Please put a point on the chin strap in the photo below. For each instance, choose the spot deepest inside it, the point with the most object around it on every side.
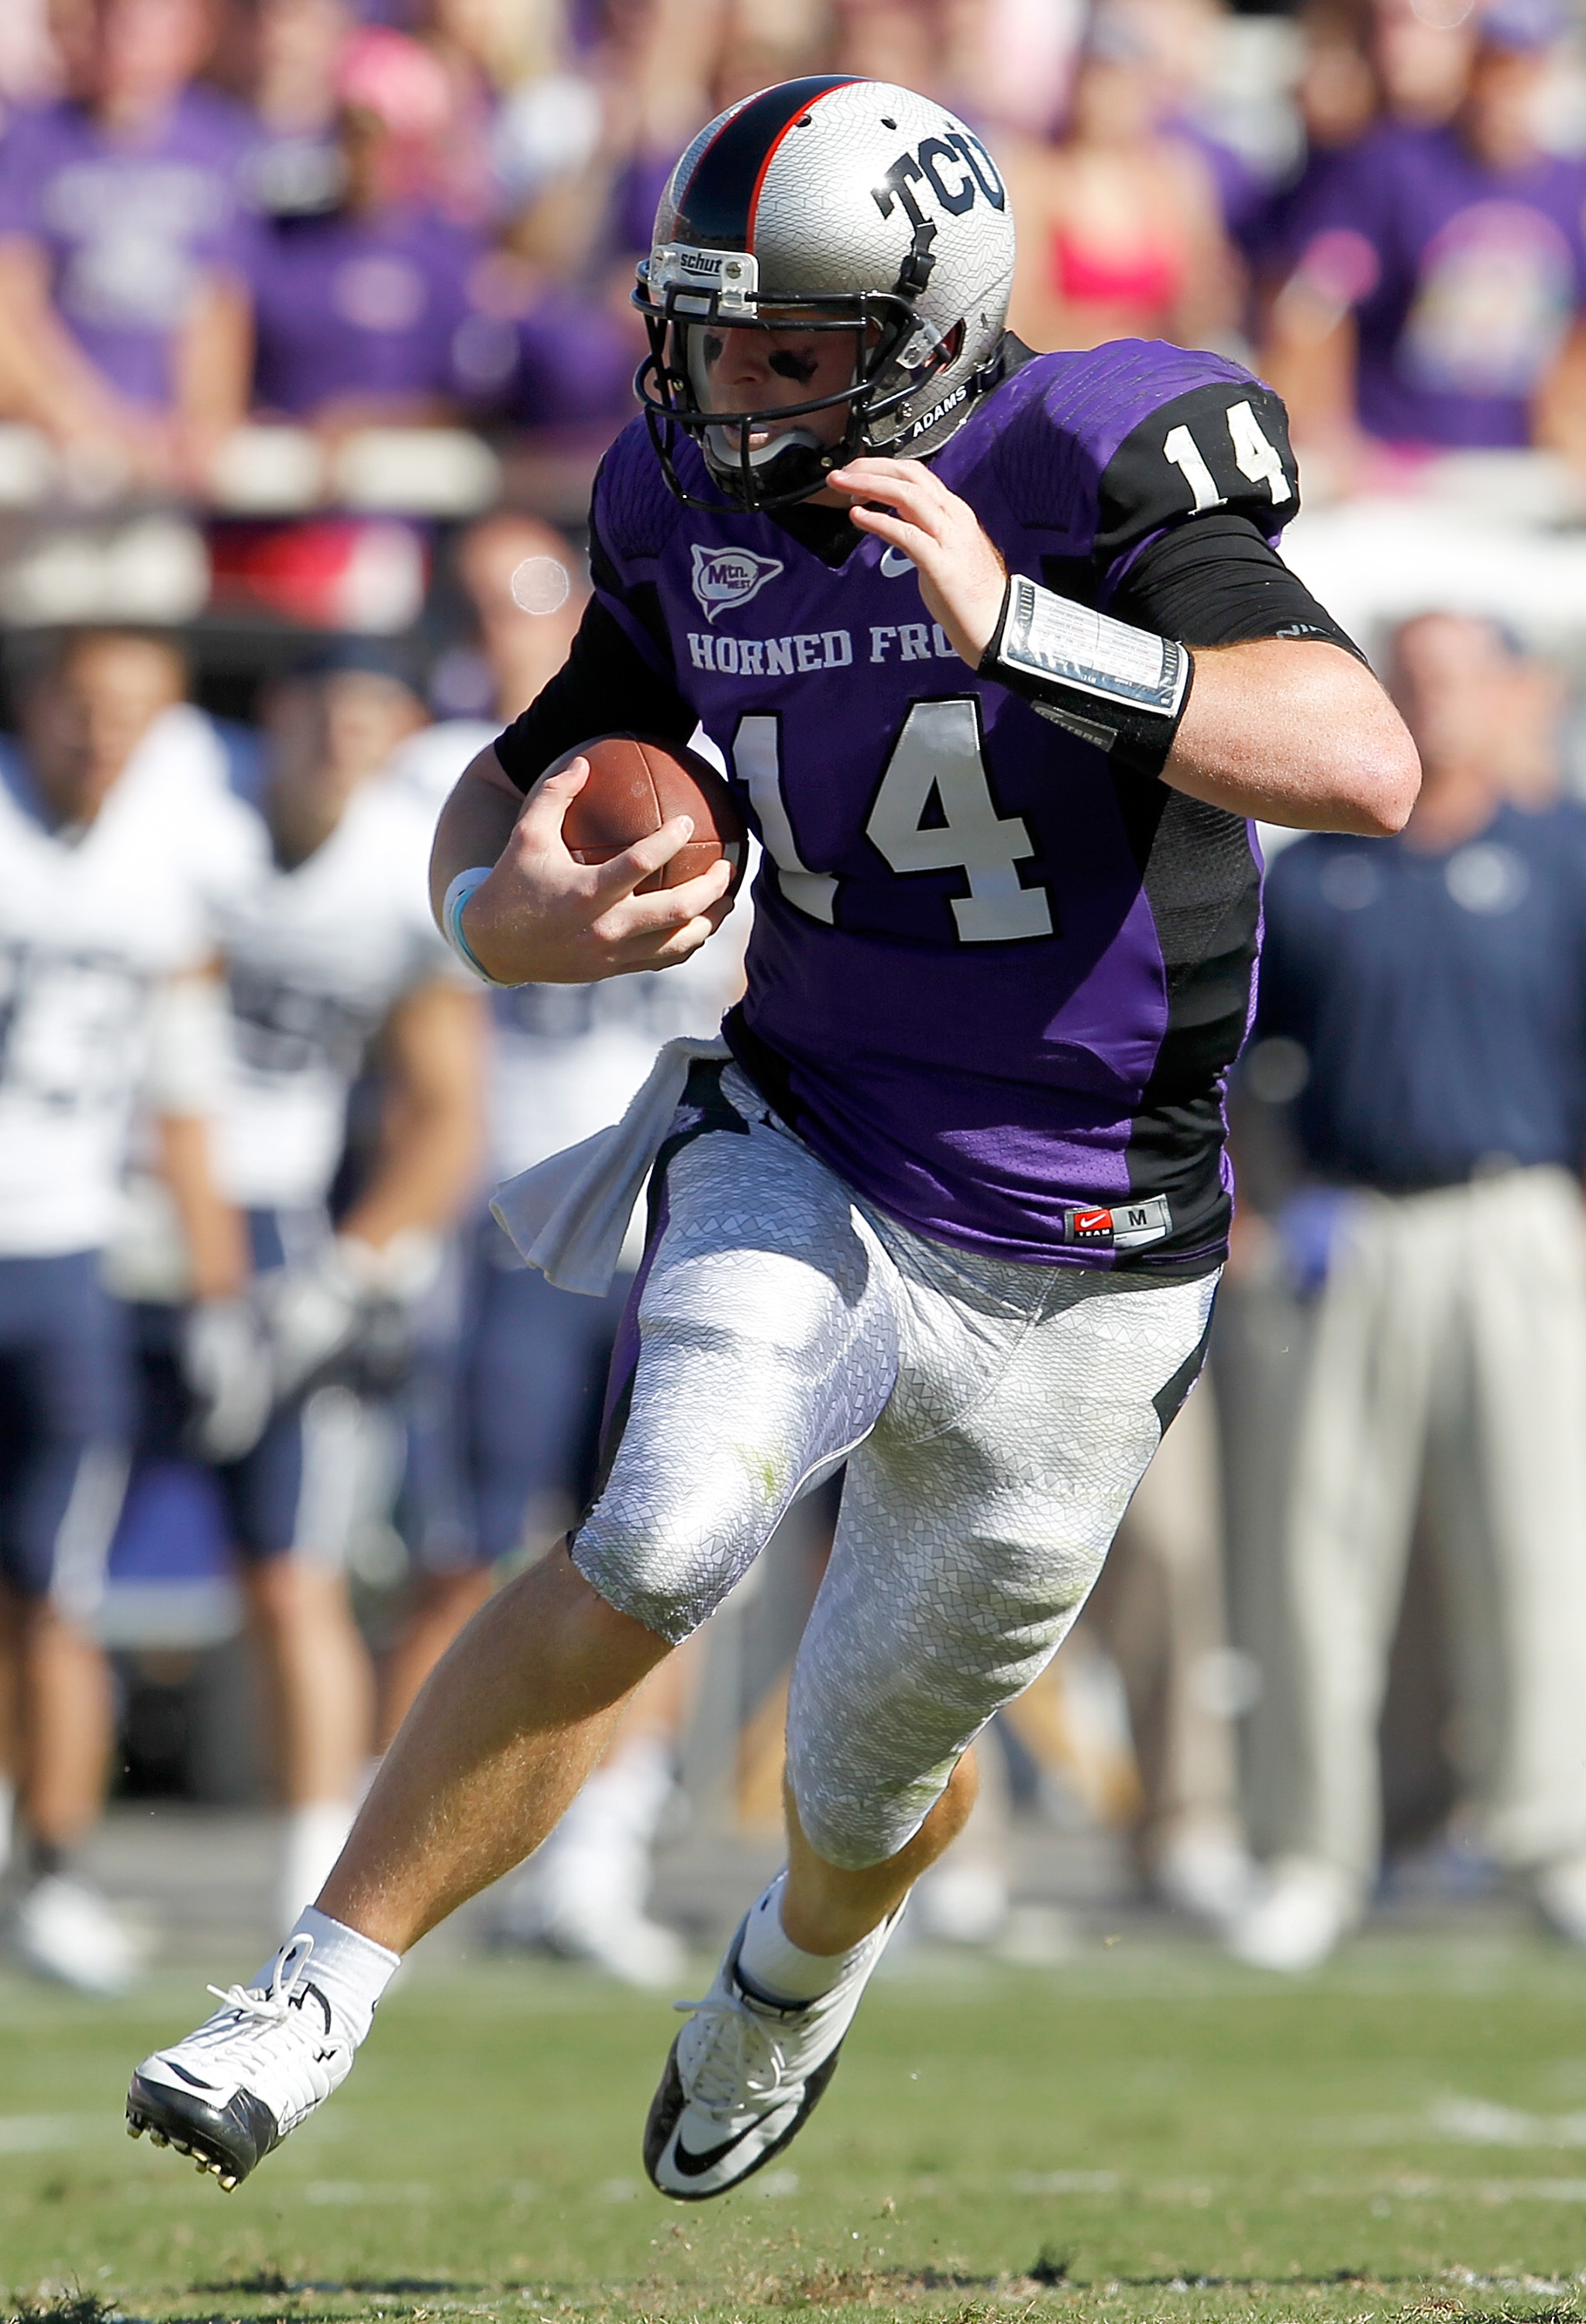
(1124, 689)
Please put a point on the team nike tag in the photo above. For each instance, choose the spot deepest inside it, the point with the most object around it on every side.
(1123, 1227)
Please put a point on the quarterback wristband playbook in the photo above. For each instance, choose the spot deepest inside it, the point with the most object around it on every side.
(1122, 688)
(451, 918)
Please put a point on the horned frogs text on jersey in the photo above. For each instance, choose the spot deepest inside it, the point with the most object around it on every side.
(316, 956)
(91, 923)
(995, 984)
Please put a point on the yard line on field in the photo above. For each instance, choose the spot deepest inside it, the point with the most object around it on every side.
(376, 2191)
(1064, 2182)
(42, 2133)
(1481, 2123)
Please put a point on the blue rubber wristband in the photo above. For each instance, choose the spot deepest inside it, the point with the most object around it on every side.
(451, 919)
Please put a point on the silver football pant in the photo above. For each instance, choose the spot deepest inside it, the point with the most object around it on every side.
(995, 1418)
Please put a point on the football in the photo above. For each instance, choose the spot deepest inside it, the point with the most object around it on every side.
(635, 784)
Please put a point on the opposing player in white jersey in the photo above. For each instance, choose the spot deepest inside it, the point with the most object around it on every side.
(509, 1428)
(114, 862)
(332, 949)
(1003, 657)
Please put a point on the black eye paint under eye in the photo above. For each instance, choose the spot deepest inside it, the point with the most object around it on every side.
(713, 347)
(789, 366)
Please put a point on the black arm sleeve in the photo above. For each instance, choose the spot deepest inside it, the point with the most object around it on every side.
(1214, 581)
(605, 686)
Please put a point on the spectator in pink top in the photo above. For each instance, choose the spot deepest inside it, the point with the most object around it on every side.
(362, 309)
(123, 248)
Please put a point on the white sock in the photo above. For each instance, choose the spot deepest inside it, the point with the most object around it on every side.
(775, 1966)
(351, 1971)
(312, 1839)
(623, 1801)
(597, 1860)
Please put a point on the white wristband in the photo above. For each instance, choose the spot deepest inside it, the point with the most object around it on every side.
(451, 919)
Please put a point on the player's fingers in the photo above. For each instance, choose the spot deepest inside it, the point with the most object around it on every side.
(929, 538)
(667, 953)
(911, 491)
(687, 940)
(874, 474)
(664, 909)
(913, 539)
(545, 810)
(624, 872)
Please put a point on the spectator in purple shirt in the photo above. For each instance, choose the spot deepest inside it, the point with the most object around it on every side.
(124, 308)
(361, 311)
(1450, 262)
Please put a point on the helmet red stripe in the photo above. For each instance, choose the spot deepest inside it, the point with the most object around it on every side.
(716, 207)
(772, 149)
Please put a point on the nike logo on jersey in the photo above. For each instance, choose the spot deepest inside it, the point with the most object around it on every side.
(895, 564)
(730, 576)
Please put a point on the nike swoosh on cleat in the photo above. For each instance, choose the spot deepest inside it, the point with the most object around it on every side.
(192, 2081)
(695, 2166)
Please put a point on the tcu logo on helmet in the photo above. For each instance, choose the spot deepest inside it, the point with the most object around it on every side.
(957, 169)
(730, 576)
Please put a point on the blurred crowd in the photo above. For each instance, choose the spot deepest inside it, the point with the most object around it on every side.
(258, 1328)
(339, 213)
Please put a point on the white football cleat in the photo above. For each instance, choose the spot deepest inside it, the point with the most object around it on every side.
(1206, 1871)
(743, 2078)
(1305, 1909)
(1561, 1893)
(626, 1945)
(64, 1929)
(234, 2088)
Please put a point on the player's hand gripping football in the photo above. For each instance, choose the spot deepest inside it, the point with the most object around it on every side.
(962, 577)
(542, 917)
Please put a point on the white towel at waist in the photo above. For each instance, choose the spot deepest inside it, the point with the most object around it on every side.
(568, 1216)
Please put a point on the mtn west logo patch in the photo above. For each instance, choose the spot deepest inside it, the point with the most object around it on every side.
(724, 578)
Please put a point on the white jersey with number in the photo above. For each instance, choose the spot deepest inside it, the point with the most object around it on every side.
(315, 957)
(566, 1058)
(93, 920)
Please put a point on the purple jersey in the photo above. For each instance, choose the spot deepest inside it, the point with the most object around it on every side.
(129, 225)
(993, 981)
(352, 306)
(1463, 280)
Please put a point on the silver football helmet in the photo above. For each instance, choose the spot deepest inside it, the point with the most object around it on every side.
(833, 205)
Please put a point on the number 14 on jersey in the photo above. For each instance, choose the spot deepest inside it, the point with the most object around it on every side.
(938, 752)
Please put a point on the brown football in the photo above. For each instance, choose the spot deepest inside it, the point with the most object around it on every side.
(635, 784)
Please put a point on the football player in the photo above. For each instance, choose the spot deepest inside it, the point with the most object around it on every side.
(1001, 658)
(118, 849)
(329, 951)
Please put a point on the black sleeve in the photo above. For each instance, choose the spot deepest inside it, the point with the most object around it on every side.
(605, 686)
(1214, 581)
(1219, 449)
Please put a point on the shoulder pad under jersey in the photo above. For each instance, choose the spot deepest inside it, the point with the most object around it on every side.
(633, 512)
(1121, 441)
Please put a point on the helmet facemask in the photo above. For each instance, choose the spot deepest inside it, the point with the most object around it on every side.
(686, 293)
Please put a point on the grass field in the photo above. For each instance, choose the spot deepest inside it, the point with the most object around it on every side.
(1144, 2132)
